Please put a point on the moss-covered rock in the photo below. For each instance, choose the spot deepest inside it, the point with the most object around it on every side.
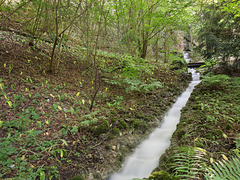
(122, 124)
(162, 175)
(103, 128)
(115, 131)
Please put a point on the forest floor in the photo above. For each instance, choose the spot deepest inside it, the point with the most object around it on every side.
(47, 129)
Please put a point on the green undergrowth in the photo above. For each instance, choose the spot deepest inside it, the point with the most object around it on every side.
(206, 142)
(47, 130)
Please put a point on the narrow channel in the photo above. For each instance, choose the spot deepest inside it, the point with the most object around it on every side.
(146, 156)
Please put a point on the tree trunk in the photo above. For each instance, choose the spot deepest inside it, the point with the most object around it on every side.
(166, 50)
(144, 49)
(156, 50)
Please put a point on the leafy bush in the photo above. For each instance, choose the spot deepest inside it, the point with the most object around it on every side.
(210, 64)
(216, 82)
(137, 85)
(178, 63)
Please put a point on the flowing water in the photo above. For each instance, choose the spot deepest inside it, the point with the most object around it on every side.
(146, 156)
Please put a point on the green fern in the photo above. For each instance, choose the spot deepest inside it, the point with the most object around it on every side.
(151, 86)
(189, 162)
(225, 170)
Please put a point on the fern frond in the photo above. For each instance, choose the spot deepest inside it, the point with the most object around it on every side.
(229, 170)
(189, 162)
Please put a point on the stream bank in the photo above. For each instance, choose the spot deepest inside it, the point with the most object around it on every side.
(209, 125)
(117, 149)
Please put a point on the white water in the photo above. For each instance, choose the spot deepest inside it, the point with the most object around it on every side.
(146, 156)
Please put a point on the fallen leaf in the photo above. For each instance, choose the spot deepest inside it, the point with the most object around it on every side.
(224, 157)
(60, 108)
(211, 160)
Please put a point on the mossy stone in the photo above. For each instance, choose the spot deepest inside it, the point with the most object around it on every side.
(162, 175)
(103, 128)
(115, 131)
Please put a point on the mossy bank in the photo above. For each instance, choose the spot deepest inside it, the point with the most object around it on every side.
(208, 130)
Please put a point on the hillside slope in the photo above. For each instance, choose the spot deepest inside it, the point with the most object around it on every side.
(46, 126)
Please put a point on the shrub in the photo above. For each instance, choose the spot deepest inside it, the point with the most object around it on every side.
(216, 82)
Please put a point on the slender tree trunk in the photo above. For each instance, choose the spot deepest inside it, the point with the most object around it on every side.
(144, 49)
(166, 50)
(56, 38)
(156, 48)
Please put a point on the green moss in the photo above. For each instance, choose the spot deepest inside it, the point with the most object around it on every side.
(103, 128)
(162, 175)
(149, 118)
(123, 124)
(140, 126)
(115, 131)
(180, 134)
(78, 177)
(139, 115)
(113, 120)
(119, 160)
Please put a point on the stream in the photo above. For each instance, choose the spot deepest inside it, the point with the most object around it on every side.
(146, 156)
